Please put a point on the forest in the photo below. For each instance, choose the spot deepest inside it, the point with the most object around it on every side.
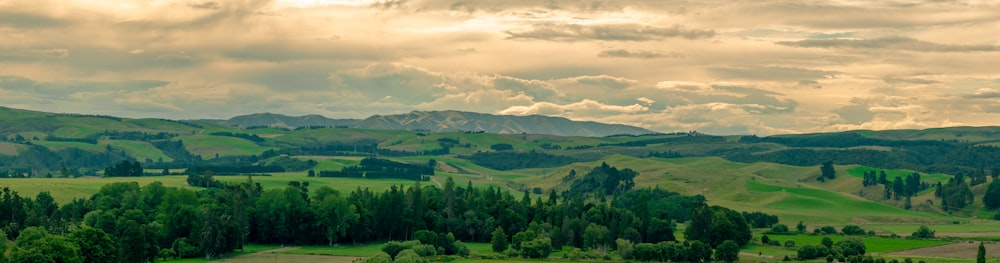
(124, 222)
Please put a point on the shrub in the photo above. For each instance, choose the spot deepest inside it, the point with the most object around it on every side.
(409, 256)
(923, 232)
(380, 258)
(779, 228)
(790, 243)
(853, 230)
(425, 250)
(537, 248)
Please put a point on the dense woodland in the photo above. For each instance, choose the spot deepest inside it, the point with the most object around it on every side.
(128, 223)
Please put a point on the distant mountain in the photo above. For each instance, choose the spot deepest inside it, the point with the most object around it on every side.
(284, 121)
(438, 121)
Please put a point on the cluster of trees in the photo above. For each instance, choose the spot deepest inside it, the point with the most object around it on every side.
(604, 180)
(845, 248)
(137, 135)
(687, 251)
(373, 168)
(502, 147)
(510, 160)
(151, 221)
(124, 168)
(235, 169)
(898, 188)
(762, 220)
(955, 194)
(360, 148)
(246, 136)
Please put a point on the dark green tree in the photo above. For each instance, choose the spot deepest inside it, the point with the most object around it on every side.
(498, 240)
(923, 232)
(827, 242)
(96, 246)
(827, 170)
(981, 253)
(992, 197)
(728, 251)
(36, 245)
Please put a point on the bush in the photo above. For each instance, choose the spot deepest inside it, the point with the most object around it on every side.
(764, 239)
(425, 250)
(853, 230)
(537, 248)
(729, 251)
(380, 258)
(409, 256)
(807, 252)
(790, 243)
(779, 229)
(923, 232)
(851, 246)
(461, 249)
(625, 248)
(829, 230)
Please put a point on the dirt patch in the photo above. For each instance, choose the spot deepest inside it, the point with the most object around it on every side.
(8, 149)
(957, 250)
(969, 234)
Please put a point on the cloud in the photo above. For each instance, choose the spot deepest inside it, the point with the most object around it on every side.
(27, 20)
(206, 5)
(643, 54)
(770, 73)
(894, 43)
(607, 32)
(35, 54)
(585, 107)
(809, 84)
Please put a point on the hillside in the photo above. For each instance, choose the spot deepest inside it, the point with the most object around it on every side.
(444, 121)
(776, 174)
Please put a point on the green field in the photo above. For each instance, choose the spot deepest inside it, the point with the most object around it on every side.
(817, 206)
(892, 174)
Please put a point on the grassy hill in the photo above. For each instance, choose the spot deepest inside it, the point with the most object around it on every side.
(40, 144)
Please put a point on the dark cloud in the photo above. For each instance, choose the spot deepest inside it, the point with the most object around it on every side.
(66, 88)
(206, 5)
(770, 73)
(895, 43)
(893, 79)
(609, 32)
(810, 83)
(34, 54)
(856, 113)
(984, 94)
(643, 54)
(28, 20)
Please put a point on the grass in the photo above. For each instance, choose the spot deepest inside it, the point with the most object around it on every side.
(208, 146)
(364, 250)
(64, 190)
(891, 174)
(140, 150)
(818, 206)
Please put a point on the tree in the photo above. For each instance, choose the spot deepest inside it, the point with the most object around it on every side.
(3, 247)
(853, 230)
(595, 236)
(393, 248)
(827, 170)
(850, 246)
(96, 246)
(728, 251)
(537, 248)
(36, 245)
(801, 227)
(923, 232)
(992, 197)
(981, 253)
(827, 242)
(764, 239)
(498, 240)
(380, 258)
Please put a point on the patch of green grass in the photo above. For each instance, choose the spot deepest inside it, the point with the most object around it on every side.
(64, 190)
(58, 146)
(891, 174)
(207, 146)
(819, 206)
(138, 149)
(872, 244)
(365, 250)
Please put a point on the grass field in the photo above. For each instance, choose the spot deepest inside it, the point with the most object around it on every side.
(891, 174)
(818, 206)
(140, 150)
(208, 146)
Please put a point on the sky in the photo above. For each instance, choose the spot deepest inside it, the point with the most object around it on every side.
(719, 67)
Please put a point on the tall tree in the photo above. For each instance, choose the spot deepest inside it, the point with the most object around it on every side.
(827, 170)
(992, 197)
(981, 253)
(96, 246)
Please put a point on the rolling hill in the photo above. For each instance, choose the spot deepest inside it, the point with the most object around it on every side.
(776, 174)
(444, 121)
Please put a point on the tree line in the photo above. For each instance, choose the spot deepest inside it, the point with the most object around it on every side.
(126, 222)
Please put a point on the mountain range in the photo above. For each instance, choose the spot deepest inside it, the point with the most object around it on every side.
(443, 121)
